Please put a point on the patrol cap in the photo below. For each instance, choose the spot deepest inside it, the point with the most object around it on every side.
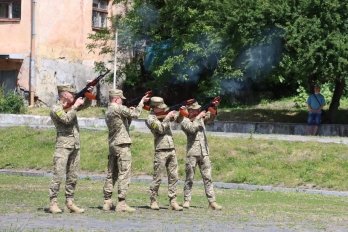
(158, 102)
(316, 85)
(116, 93)
(66, 88)
(194, 106)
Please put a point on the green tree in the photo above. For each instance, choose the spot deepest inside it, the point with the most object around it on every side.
(200, 41)
(316, 42)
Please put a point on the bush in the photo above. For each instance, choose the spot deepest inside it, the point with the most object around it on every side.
(11, 102)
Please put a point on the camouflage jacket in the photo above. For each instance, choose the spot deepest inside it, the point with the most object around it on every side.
(68, 135)
(118, 119)
(161, 132)
(197, 144)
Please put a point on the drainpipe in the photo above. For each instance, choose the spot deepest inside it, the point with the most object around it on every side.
(32, 54)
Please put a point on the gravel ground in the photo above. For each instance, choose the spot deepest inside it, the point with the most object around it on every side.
(166, 220)
(144, 221)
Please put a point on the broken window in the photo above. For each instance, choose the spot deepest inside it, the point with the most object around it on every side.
(100, 13)
(10, 9)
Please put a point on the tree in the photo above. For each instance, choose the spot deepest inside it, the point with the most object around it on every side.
(199, 43)
(316, 43)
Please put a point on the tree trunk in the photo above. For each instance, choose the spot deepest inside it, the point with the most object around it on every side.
(335, 101)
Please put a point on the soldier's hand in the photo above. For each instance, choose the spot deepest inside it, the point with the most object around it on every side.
(201, 114)
(146, 98)
(171, 115)
(79, 102)
(90, 88)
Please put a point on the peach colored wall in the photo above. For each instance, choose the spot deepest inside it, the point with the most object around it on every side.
(59, 47)
(62, 29)
(15, 36)
(15, 39)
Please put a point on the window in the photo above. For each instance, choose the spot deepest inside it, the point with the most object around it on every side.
(10, 9)
(100, 13)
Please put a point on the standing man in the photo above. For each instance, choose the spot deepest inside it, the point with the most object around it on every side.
(197, 153)
(315, 103)
(66, 158)
(118, 118)
(165, 156)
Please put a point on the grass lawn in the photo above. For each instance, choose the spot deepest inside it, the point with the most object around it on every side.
(236, 160)
(257, 209)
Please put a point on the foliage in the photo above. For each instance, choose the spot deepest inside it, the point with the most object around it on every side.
(11, 102)
(207, 45)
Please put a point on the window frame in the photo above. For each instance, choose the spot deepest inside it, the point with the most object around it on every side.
(99, 11)
(10, 10)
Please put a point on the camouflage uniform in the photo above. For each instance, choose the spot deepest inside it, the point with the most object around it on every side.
(118, 119)
(66, 158)
(165, 156)
(197, 154)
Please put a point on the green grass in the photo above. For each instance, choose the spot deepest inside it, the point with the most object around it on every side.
(237, 160)
(287, 210)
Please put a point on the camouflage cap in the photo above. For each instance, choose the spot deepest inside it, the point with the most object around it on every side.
(66, 88)
(316, 85)
(194, 106)
(116, 93)
(158, 102)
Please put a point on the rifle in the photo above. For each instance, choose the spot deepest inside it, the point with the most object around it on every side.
(134, 101)
(212, 105)
(177, 107)
(85, 92)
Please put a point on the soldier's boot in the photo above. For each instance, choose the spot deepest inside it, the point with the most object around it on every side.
(72, 207)
(108, 205)
(123, 207)
(54, 206)
(215, 206)
(154, 204)
(186, 205)
(174, 205)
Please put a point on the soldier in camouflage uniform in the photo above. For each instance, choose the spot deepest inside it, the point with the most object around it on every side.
(66, 158)
(118, 118)
(165, 156)
(197, 153)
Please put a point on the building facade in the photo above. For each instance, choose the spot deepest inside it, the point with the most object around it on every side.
(43, 43)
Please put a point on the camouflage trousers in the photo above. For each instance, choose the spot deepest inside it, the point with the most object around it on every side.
(204, 165)
(119, 169)
(165, 159)
(66, 161)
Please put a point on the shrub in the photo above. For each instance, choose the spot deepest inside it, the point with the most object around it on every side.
(11, 102)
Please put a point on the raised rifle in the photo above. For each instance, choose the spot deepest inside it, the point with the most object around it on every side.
(134, 101)
(212, 105)
(85, 92)
(177, 107)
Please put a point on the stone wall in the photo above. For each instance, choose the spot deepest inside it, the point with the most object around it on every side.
(218, 126)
